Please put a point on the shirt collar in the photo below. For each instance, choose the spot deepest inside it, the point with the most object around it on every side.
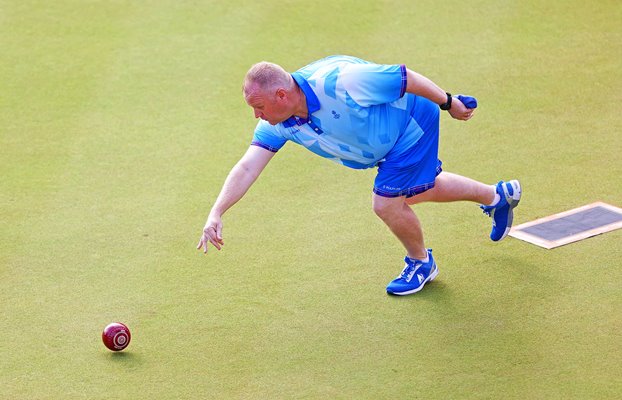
(313, 104)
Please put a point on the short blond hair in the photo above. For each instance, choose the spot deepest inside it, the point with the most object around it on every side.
(267, 76)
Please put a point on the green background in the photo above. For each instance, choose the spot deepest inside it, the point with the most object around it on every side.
(119, 121)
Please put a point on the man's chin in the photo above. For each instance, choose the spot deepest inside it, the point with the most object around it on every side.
(275, 122)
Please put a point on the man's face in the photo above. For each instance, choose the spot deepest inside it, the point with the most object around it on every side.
(271, 107)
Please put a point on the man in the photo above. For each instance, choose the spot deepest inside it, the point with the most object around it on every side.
(364, 115)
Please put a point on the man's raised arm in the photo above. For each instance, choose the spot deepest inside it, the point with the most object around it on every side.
(421, 86)
(239, 180)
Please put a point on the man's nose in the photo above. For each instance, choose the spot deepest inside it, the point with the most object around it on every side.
(257, 114)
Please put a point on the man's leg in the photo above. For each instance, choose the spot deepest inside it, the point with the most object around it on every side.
(420, 266)
(451, 187)
(497, 201)
(403, 222)
(400, 218)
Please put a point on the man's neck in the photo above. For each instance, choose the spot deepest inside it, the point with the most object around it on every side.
(301, 109)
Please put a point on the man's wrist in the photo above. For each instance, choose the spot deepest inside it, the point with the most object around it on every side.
(446, 106)
(215, 212)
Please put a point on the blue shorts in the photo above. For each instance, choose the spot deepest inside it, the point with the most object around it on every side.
(415, 170)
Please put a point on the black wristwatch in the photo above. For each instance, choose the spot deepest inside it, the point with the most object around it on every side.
(447, 105)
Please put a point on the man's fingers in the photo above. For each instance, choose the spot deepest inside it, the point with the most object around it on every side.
(202, 244)
(215, 243)
(216, 236)
(467, 114)
(211, 234)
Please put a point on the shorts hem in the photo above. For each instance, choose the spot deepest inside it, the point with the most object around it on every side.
(411, 191)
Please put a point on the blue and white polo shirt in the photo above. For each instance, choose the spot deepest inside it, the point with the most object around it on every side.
(358, 113)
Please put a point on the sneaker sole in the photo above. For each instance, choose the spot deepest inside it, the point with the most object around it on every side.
(429, 279)
(513, 201)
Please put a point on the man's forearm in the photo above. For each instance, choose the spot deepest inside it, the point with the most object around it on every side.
(239, 180)
(421, 86)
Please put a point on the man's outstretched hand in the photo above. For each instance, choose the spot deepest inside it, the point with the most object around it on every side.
(212, 233)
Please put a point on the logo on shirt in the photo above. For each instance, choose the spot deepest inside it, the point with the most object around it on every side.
(336, 115)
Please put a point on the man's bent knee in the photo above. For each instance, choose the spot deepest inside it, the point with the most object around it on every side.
(386, 207)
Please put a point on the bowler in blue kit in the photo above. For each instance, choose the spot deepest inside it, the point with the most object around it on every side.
(365, 115)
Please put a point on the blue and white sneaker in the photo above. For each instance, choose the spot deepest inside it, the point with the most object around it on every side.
(414, 276)
(501, 213)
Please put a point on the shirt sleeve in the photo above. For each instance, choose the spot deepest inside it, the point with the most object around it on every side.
(372, 84)
(268, 137)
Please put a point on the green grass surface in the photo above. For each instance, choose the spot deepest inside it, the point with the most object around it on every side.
(120, 120)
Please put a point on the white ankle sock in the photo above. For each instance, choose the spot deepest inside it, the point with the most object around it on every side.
(427, 259)
(496, 200)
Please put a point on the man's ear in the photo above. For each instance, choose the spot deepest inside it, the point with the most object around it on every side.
(281, 94)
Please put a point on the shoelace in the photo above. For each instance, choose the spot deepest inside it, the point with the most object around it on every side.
(487, 209)
(408, 271)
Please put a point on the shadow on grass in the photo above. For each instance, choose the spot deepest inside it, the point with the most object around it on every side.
(435, 290)
(125, 358)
